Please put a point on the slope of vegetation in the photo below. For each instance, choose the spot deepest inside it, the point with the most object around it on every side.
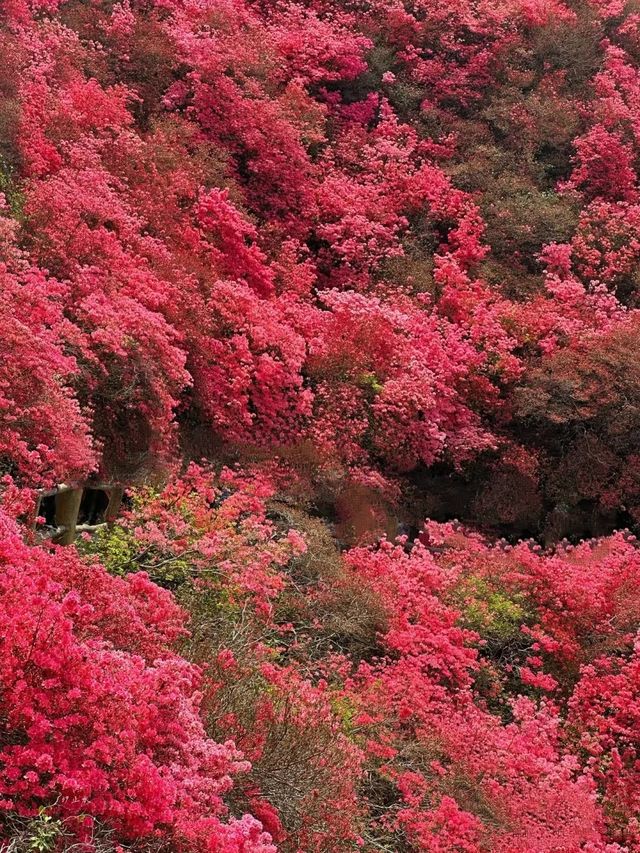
(347, 296)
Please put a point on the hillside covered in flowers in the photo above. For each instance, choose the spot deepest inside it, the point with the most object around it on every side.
(344, 295)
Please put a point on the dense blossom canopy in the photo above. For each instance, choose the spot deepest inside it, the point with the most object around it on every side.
(356, 229)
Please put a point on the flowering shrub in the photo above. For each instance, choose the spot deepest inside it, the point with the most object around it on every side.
(449, 707)
(100, 716)
(43, 433)
(383, 256)
(281, 226)
(210, 539)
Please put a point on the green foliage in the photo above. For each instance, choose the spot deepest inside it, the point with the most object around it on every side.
(40, 834)
(495, 614)
(520, 221)
(120, 552)
(216, 620)
(45, 832)
(369, 381)
(346, 711)
(115, 547)
(9, 188)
